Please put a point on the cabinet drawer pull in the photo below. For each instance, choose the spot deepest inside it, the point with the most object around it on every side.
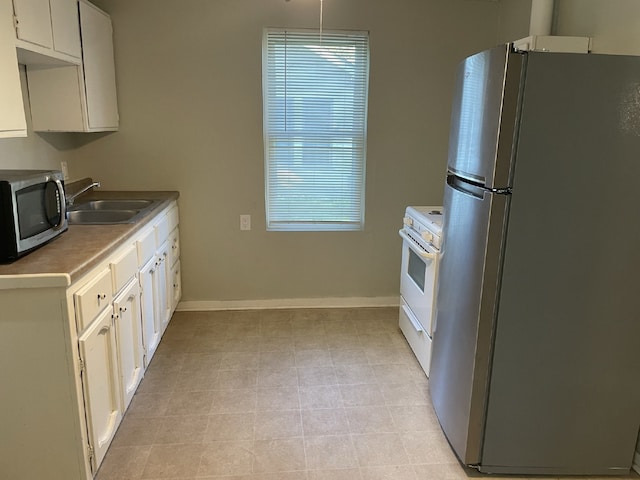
(102, 296)
(104, 329)
(123, 309)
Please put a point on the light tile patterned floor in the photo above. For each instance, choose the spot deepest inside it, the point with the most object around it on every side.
(283, 395)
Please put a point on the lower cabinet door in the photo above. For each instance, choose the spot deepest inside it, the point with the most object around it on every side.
(101, 384)
(128, 323)
(151, 318)
(176, 284)
(163, 298)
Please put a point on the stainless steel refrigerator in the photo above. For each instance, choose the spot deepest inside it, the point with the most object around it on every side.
(536, 349)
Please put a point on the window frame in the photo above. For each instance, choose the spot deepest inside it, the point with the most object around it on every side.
(357, 192)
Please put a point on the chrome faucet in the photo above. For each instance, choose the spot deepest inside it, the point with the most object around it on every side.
(71, 198)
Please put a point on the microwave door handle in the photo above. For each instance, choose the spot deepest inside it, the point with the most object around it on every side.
(63, 205)
(413, 246)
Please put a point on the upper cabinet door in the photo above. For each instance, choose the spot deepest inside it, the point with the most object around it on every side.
(99, 68)
(66, 27)
(12, 119)
(34, 21)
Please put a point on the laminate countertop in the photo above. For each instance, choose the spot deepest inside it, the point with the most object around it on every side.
(81, 247)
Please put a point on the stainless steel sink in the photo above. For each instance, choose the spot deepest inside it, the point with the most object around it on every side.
(112, 205)
(109, 211)
(101, 217)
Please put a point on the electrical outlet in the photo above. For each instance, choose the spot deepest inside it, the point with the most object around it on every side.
(65, 170)
(245, 222)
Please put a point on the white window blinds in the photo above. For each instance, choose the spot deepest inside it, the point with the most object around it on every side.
(315, 109)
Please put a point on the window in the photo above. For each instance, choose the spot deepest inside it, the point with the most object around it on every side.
(315, 109)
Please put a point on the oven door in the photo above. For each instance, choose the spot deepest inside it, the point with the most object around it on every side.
(418, 280)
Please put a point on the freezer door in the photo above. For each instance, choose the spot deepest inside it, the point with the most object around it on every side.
(475, 220)
(483, 117)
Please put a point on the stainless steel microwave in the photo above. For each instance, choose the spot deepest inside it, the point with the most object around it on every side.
(32, 210)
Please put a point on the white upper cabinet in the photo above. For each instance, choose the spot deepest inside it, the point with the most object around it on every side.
(66, 27)
(12, 119)
(99, 68)
(33, 22)
(82, 98)
(47, 31)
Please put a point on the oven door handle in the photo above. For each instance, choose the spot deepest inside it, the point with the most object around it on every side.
(412, 319)
(416, 248)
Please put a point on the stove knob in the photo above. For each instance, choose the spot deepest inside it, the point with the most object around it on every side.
(408, 221)
(428, 236)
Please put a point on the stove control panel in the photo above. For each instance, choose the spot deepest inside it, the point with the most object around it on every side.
(426, 222)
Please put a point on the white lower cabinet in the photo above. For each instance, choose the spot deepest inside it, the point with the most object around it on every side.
(86, 344)
(158, 253)
(123, 339)
(128, 322)
(164, 279)
(100, 385)
(151, 321)
(176, 285)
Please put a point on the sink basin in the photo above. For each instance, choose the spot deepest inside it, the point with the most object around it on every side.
(112, 205)
(101, 217)
(109, 211)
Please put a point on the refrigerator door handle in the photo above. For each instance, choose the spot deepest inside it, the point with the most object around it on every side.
(466, 188)
(472, 188)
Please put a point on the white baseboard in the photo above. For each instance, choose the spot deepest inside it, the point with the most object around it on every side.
(636, 462)
(335, 302)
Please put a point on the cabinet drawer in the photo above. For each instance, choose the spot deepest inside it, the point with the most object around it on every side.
(174, 246)
(124, 268)
(166, 225)
(146, 247)
(91, 299)
(416, 336)
(172, 218)
(162, 230)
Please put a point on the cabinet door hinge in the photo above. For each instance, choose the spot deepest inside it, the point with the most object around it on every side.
(90, 452)
(15, 22)
(81, 365)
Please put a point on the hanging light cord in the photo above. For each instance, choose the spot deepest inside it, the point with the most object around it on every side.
(321, 5)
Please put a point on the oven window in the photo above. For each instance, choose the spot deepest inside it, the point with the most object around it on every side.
(37, 208)
(417, 269)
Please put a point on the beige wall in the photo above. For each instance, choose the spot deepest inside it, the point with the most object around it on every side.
(514, 20)
(189, 86)
(190, 102)
(613, 24)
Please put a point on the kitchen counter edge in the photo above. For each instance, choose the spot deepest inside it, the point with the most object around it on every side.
(69, 256)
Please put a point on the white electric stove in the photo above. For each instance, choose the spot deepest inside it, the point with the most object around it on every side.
(422, 239)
